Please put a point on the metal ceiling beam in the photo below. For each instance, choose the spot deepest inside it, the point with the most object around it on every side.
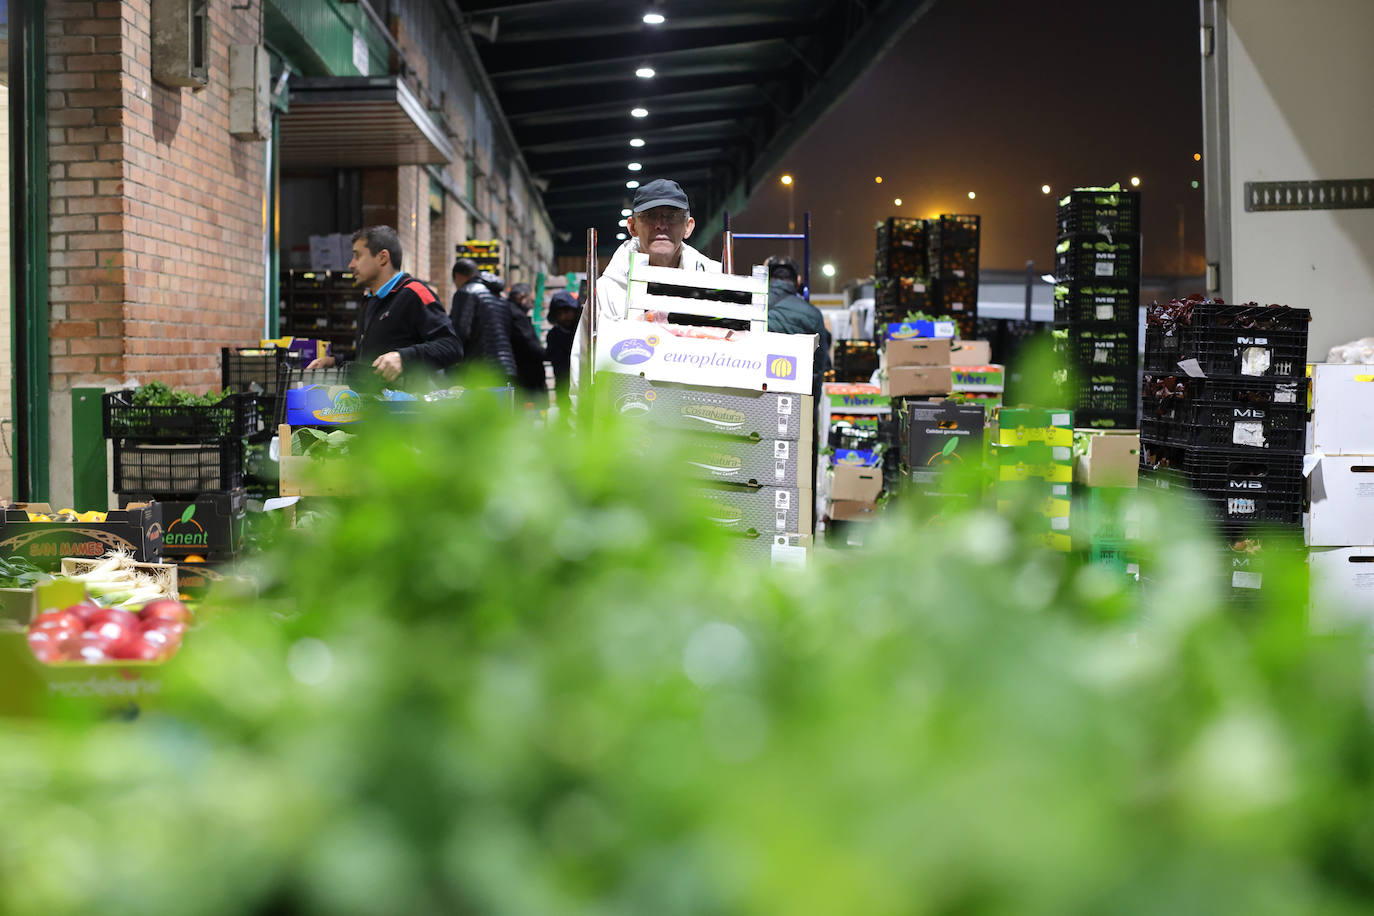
(731, 99)
(617, 126)
(886, 24)
(515, 57)
(699, 62)
(650, 163)
(705, 132)
(521, 104)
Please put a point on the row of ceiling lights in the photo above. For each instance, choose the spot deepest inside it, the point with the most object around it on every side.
(652, 17)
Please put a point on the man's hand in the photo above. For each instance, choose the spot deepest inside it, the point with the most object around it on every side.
(321, 362)
(388, 365)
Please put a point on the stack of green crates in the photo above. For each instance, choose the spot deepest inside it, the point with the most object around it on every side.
(1032, 454)
(1105, 520)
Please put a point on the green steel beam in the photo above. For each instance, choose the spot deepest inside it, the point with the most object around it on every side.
(317, 36)
(274, 231)
(29, 248)
(90, 485)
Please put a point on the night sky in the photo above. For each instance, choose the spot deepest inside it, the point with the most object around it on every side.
(1000, 97)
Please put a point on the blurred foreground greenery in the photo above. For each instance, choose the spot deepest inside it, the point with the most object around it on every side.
(518, 675)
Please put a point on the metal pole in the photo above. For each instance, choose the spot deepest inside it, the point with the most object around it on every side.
(1030, 278)
(589, 310)
(806, 256)
(727, 260)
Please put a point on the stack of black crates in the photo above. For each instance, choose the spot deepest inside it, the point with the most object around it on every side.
(927, 266)
(190, 458)
(1097, 271)
(952, 243)
(1224, 414)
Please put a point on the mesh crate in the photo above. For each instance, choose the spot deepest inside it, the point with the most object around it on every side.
(954, 231)
(956, 262)
(955, 296)
(1103, 391)
(899, 295)
(170, 471)
(855, 360)
(1227, 340)
(1109, 213)
(257, 370)
(1255, 434)
(901, 248)
(1091, 418)
(1249, 409)
(1093, 259)
(1115, 351)
(236, 416)
(1083, 302)
(1236, 487)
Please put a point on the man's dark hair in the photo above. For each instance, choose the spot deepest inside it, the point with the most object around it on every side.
(379, 239)
(465, 266)
(780, 268)
(520, 289)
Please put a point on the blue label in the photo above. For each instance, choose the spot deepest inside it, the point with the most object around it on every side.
(782, 367)
(856, 457)
(632, 352)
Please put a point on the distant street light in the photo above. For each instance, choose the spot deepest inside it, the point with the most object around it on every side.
(1197, 157)
(971, 195)
(1135, 182)
(1044, 189)
(829, 271)
(786, 179)
(878, 179)
(897, 201)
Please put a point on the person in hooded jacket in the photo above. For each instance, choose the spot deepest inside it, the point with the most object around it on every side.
(482, 318)
(660, 222)
(564, 313)
(529, 355)
(789, 313)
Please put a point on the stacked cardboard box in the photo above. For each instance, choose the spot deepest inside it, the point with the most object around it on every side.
(1033, 460)
(1223, 413)
(1340, 529)
(1097, 269)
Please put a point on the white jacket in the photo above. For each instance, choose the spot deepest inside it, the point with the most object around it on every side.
(612, 296)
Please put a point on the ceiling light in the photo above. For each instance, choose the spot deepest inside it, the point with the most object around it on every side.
(621, 236)
(639, 112)
(635, 166)
(654, 19)
(637, 142)
(632, 184)
(626, 212)
(645, 73)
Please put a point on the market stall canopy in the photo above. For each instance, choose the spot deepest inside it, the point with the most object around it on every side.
(735, 85)
(353, 122)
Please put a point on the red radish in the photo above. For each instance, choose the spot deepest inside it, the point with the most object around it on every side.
(135, 649)
(84, 611)
(55, 620)
(90, 653)
(165, 609)
(126, 620)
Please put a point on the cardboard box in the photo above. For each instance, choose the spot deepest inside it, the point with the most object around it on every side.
(905, 330)
(1112, 458)
(765, 511)
(1022, 425)
(843, 510)
(324, 253)
(137, 528)
(916, 381)
(766, 463)
(211, 526)
(845, 397)
(748, 414)
(1037, 460)
(1342, 409)
(195, 580)
(320, 405)
(971, 353)
(752, 361)
(779, 549)
(941, 435)
(1342, 586)
(855, 481)
(917, 351)
(1342, 507)
(991, 378)
(29, 688)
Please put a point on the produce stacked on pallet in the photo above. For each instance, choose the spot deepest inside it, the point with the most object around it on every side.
(1032, 457)
(1097, 273)
(322, 304)
(1341, 519)
(900, 272)
(187, 453)
(1224, 413)
(952, 245)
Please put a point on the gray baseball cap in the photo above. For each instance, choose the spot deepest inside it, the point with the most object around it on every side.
(661, 192)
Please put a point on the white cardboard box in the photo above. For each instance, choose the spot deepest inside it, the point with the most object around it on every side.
(1342, 586)
(1342, 409)
(753, 361)
(1342, 502)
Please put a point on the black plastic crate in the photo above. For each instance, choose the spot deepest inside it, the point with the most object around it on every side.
(954, 231)
(1093, 259)
(1108, 391)
(169, 471)
(901, 248)
(1088, 302)
(1091, 418)
(956, 262)
(954, 296)
(1255, 435)
(1115, 350)
(965, 323)
(900, 295)
(1110, 213)
(1268, 341)
(236, 416)
(1236, 488)
(256, 370)
(1253, 410)
(855, 360)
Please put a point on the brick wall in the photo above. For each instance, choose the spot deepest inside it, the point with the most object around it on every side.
(156, 227)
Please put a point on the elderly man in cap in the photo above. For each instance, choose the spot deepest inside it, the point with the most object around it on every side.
(660, 222)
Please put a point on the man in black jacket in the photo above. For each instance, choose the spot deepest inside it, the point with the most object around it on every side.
(402, 328)
(564, 313)
(529, 355)
(482, 318)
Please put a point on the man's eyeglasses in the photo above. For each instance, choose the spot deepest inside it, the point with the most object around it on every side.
(669, 216)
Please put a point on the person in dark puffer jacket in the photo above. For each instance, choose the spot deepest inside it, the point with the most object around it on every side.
(482, 319)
